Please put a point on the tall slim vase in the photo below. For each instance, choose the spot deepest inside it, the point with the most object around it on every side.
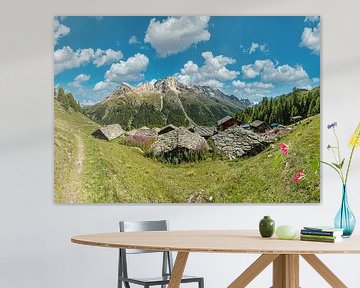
(345, 219)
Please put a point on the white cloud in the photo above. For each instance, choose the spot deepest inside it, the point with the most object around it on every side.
(125, 71)
(252, 90)
(269, 72)
(238, 84)
(106, 57)
(256, 46)
(101, 85)
(82, 78)
(176, 34)
(60, 30)
(311, 39)
(133, 40)
(249, 72)
(285, 73)
(66, 58)
(79, 80)
(129, 70)
(251, 87)
(315, 80)
(253, 47)
(312, 19)
(213, 83)
(212, 72)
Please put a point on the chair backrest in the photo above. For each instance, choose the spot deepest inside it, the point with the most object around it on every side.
(135, 226)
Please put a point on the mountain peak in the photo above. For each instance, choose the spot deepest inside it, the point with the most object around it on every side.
(166, 101)
(170, 84)
(171, 80)
(124, 88)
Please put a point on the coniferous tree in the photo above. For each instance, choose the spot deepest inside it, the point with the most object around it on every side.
(280, 109)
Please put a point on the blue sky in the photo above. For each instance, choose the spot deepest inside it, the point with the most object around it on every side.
(250, 57)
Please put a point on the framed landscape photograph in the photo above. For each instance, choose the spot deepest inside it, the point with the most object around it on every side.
(187, 109)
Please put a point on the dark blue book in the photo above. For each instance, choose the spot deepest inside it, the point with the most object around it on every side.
(322, 231)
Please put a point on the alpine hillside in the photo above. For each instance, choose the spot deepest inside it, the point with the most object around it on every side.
(165, 102)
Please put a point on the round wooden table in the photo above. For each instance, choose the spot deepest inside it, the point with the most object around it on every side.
(284, 254)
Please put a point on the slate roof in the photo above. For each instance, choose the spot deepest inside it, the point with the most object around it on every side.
(167, 128)
(256, 123)
(110, 132)
(205, 131)
(180, 138)
(144, 131)
(223, 120)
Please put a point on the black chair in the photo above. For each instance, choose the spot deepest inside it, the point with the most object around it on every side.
(167, 265)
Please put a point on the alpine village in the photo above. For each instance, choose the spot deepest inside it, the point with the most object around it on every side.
(168, 142)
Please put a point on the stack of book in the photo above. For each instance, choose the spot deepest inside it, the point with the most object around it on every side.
(321, 234)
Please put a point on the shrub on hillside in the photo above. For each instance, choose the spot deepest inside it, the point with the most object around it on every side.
(141, 141)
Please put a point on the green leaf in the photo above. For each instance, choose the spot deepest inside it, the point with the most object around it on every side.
(342, 163)
(314, 166)
(336, 165)
(277, 161)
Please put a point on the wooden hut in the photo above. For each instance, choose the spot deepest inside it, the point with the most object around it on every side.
(258, 126)
(227, 122)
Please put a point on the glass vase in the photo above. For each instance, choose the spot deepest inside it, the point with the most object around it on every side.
(345, 219)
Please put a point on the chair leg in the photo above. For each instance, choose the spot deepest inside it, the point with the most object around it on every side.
(201, 283)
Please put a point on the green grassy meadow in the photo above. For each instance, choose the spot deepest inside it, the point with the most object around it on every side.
(90, 170)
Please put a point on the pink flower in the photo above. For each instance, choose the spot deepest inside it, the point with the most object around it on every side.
(298, 176)
(284, 148)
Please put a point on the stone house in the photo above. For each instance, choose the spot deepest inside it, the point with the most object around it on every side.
(109, 132)
(204, 131)
(167, 129)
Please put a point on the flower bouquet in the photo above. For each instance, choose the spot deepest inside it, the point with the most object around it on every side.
(344, 219)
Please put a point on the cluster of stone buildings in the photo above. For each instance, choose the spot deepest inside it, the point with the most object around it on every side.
(230, 138)
(113, 131)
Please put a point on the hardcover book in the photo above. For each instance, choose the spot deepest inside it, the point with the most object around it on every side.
(328, 240)
(321, 233)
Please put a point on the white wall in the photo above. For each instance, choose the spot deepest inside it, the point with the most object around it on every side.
(35, 248)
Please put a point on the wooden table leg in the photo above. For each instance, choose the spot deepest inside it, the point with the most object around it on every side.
(324, 271)
(178, 269)
(253, 270)
(286, 271)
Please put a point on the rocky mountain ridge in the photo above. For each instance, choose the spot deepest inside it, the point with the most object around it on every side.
(163, 102)
(171, 84)
(166, 101)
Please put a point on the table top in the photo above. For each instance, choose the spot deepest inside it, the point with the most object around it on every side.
(217, 241)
